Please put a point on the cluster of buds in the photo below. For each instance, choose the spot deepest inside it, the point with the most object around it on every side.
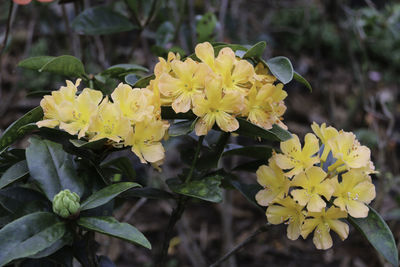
(313, 187)
(66, 204)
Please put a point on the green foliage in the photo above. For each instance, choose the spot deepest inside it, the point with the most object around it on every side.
(205, 27)
(281, 68)
(256, 51)
(16, 172)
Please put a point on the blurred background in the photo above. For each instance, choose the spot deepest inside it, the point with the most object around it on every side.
(348, 50)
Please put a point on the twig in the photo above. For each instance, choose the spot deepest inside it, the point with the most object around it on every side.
(177, 212)
(260, 230)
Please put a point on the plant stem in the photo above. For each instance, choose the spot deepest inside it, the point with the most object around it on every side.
(260, 230)
(177, 212)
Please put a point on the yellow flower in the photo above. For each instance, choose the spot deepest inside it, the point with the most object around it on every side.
(275, 183)
(353, 192)
(287, 210)
(133, 103)
(58, 106)
(145, 140)
(263, 75)
(164, 66)
(85, 108)
(294, 157)
(325, 134)
(109, 123)
(216, 107)
(348, 152)
(264, 107)
(205, 52)
(314, 186)
(323, 222)
(188, 83)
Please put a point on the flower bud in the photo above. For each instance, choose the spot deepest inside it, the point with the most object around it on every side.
(66, 203)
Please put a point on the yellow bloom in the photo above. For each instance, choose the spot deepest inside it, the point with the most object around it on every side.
(145, 140)
(58, 106)
(348, 152)
(205, 52)
(216, 107)
(325, 134)
(109, 123)
(323, 222)
(353, 192)
(264, 107)
(314, 186)
(294, 157)
(275, 183)
(85, 108)
(164, 66)
(287, 210)
(133, 103)
(263, 75)
(188, 83)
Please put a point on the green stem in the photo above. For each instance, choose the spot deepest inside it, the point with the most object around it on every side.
(178, 211)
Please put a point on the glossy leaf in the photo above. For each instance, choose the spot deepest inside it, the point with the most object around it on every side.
(206, 189)
(29, 235)
(147, 192)
(52, 168)
(377, 232)
(256, 50)
(181, 128)
(19, 200)
(167, 113)
(121, 69)
(101, 20)
(302, 80)
(106, 194)
(210, 159)
(64, 65)
(281, 68)
(123, 164)
(94, 145)
(256, 152)
(65, 240)
(111, 227)
(11, 134)
(131, 79)
(251, 166)
(17, 171)
(249, 191)
(276, 133)
(143, 82)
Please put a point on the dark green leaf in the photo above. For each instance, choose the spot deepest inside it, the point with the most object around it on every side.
(52, 168)
(257, 152)
(276, 133)
(101, 20)
(210, 159)
(281, 68)
(19, 200)
(119, 69)
(29, 235)
(167, 113)
(147, 192)
(106, 194)
(123, 164)
(302, 80)
(207, 188)
(11, 134)
(143, 82)
(64, 65)
(375, 229)
(251, 166)
(256, 50)
(65, 240)
(205, 27)
(14, 173)
(131, 79)
(181, 128)
(111, 227)
(249, 191)
(94, 145)
(35, 63)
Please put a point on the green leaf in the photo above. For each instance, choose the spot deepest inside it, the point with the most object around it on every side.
(52, 168)
(147, 192)
(256, 152)
(111, 227)
(206, 189)
(143, 82)
(210, 159)
(181, 128)
(17, 171)
(302, 80)
(249, 191)
(167, 113)
(251, 166)
(11, 134)
(375, 229)
(94, 145)
(29, 235)
(19, 200)
(106, 194)
(205, 27)
(123, 164)
(121, 69)
(65, 240)
(64, 65)
(281, 68)
(101, 20)
(256, 50)
(276, 133)
(131, 79)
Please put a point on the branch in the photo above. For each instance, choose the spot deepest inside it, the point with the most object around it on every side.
(260, 230)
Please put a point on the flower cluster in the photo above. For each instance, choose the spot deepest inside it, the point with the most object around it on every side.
(313, 187)
(219, 89)
(132, 118)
